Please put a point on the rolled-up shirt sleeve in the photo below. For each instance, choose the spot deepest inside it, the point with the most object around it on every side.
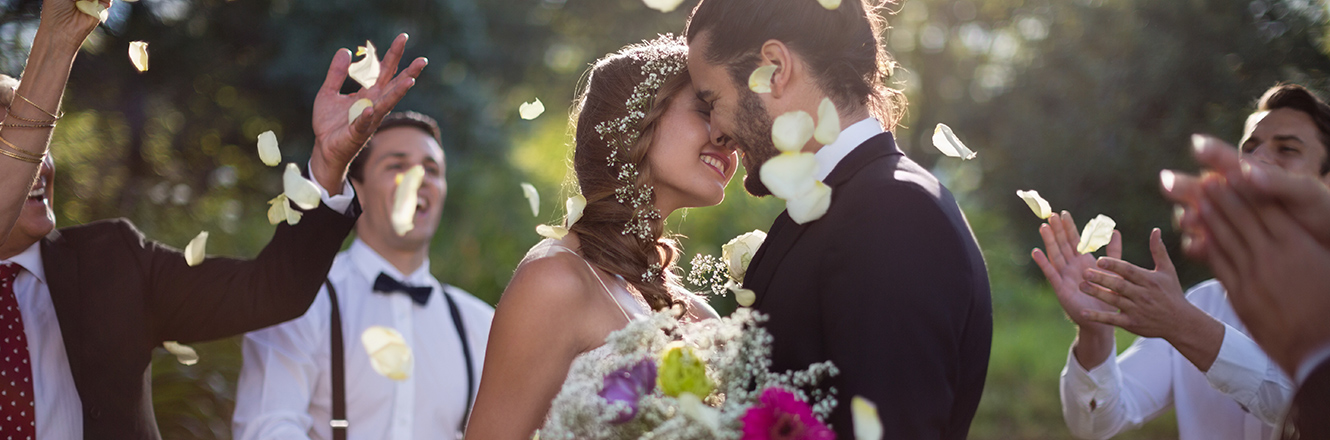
(1243, 372)
(1121, 393)
(339, 203)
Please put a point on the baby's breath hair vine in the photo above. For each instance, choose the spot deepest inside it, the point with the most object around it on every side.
(663, 58)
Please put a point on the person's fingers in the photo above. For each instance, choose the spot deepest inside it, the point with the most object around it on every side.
(1110, 318)
(1159, 251)
(362, 127)
(1241, 215)
(1070, 239)
(336, 72)
(1046, 267)
(1221, 235)
(1103, 294)
(1051, 244)
(388, 67)
(1119, 276)
(1115, 245)
(1179, 187)
(1216, 154)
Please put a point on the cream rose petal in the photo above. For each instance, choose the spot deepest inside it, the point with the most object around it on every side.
(745, 297)
(760, 80)
(1098, 232)
(555, 232)
(574, 205)
(662, 5)
(789, 174)
(691, 405)
(406, 198)
(828, 122)
(830, 4)
(810, 205)
(532, 197)
(195, 250)
(299, 189)
(946, 141)
(388, 352)
(1037, 204)
(739, 251)
(269, 153)
(138, 54)
(531, 110)
(281, 211)
(93, 8)
(357, 108)
(184, 354)
(365, 71)
(867, 425)
(792, 130)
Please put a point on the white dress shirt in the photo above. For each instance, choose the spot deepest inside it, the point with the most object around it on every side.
(849, 138)
(285, 388)
(1243, 396)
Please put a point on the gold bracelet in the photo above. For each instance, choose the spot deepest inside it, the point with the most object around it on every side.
(16, 149)
(15, 156)
(38, 107)
(4, 123)
(10, 113)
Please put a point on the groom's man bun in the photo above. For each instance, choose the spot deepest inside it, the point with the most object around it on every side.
(843, 46)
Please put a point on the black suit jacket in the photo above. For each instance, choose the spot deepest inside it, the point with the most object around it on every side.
(1309, 416)
(890, 286)
(118, 296)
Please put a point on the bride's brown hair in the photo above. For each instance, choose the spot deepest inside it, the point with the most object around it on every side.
(644, 263)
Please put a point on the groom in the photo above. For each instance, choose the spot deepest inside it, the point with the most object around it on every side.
(889, 284)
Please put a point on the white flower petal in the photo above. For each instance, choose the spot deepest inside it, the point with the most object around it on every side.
(269, 153)
(195, 250)
(692, 407)
(828, 122)
(946, 141)
(93, 8)
(281, 211)
(745, 297)
(830, 4)
(357, 108)
(760, 80)
(184, 354)
(406, 198)
(811, 205)
(531, 110)
(388, 352)
(662, 5)
(532, 198)
(789, 175)
(299, 189)
(1037, 204)
(1098, 232)
(792, 130)
(739, 251)
(574, 205)
(138, 54)
(867, 425)
(365, 71)
(555, 232)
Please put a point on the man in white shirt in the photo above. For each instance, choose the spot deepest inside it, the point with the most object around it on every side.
(287, 388)
(1194, 353)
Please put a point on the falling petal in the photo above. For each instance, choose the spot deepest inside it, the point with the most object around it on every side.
(531, 110)
(830, 4)
(268, 151)
(745, 297)
(388, 352)
(662, 5)
(93, 8)
(183, 353)
(946, 141)
(194, 251)
(1037, 204)
(867, 425)
(792, 130)
(555, 232)
(365, 71)
(760, 80)
(357, 108)
(532, 197)
(811, 205)
(1098, 232)
(828, 122)
(405, 200)
(299, 189)
(138, 54)
(789, 174)
(281, 211)
(574, 205)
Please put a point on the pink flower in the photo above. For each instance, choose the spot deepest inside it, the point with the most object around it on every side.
(779, 415)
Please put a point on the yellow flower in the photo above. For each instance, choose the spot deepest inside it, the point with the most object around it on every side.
(681, 371)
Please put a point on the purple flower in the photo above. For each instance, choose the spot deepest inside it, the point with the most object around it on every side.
(780, 415)
(628, 385)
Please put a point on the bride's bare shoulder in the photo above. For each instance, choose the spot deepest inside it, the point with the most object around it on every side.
(545, 277)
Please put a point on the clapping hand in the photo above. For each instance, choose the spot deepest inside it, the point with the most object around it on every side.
(336, 139)
(1150, 303)
(1065, 269)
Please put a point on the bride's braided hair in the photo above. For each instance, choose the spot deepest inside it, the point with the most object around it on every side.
(615, 122)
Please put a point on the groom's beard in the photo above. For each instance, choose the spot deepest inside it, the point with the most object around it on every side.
(753, 131)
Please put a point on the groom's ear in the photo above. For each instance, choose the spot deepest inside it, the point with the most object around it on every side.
(777, 53)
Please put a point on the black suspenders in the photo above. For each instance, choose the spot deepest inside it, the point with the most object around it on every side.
(338, 363)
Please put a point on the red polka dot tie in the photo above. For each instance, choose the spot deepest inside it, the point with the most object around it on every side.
(16, 403)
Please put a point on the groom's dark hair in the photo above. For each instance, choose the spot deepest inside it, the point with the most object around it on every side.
(843, 46)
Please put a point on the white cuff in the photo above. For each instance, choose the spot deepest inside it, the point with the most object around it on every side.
(341, 202)
(1239, 368)
(1099, 385)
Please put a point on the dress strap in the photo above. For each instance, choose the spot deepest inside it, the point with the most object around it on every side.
(603, 286)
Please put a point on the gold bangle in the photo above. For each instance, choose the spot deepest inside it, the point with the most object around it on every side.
(10, 113)
(21, 151)
(38, 107)
(15, 156)
(4, 123)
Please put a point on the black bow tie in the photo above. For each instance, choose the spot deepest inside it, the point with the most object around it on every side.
(388, 285)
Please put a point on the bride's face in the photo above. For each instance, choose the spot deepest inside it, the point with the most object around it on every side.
(688, 169)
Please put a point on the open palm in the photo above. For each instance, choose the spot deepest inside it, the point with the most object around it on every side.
(1065, 268)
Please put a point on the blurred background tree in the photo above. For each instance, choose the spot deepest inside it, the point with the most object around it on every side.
(1083, 100)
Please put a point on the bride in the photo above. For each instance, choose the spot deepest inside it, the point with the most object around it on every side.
(643, 148)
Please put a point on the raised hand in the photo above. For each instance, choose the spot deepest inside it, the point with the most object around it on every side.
(1065, 269)
(337, 140)
(67, 26)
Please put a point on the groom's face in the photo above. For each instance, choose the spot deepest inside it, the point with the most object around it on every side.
(736, 113)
